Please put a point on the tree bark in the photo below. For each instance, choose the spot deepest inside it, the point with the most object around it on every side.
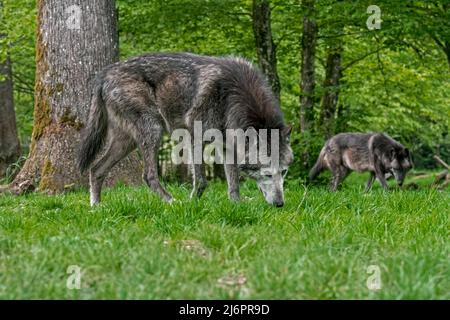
(308, 82)
(265, 47)
(307, 75)
(9, 142)
(75, 39)
(331, 83)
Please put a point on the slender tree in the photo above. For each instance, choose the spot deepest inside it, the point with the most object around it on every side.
(75, 39)
(265, 47)
(307, 78)
(307, 73)
(333, 74)
(9, 142)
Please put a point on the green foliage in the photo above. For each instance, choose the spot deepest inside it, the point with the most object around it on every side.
(12, 170)
(214, 27)
(395, 79)
(306, 147)
(17, 25)
(318, 246)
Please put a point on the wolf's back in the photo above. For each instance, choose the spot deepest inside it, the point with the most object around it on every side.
(94, 133)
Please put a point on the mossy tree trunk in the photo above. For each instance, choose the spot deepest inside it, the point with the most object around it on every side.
(9, 142)
(75, 39)
(308, 72)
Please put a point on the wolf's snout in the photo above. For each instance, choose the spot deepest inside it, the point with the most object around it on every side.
(278, 204)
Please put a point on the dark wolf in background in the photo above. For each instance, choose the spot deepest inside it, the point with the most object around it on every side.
(135, 101)
(374, 152)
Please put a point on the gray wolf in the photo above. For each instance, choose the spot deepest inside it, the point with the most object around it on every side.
(377, 153)
(135, 101)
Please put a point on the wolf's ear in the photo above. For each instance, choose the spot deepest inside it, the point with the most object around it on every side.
(409, 155)
(286, 131)
(392, 154)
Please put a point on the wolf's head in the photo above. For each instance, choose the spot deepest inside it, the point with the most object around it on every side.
(270, 175)
(399, 163)
(252, 104)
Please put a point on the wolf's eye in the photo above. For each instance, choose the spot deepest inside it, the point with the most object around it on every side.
(268, 176)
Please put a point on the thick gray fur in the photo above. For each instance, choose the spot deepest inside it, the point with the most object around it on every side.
(135, 101)
(374, 152)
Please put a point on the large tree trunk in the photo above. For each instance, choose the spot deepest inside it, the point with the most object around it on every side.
(75, 39)
(9, 142)
(265, 47)
(308, 81)
(331, 83)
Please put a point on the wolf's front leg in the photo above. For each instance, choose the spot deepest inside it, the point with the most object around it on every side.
(198, 180)
(370, 182)
(232, 175)
(381, 177)
(380, 174)
(154, 184)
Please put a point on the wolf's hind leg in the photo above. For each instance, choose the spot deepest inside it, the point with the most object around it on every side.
(149, 138)
(339, 175)
(119, 146)
(334, 182)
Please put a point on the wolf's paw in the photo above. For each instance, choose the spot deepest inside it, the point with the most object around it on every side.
(94, 203)
(173, 201)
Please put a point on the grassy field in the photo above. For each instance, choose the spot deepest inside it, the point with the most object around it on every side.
(319, 246)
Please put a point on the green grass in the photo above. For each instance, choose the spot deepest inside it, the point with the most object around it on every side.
(318, 246)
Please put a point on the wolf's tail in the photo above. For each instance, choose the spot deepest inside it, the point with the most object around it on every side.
(318, 167)
(94, 134)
